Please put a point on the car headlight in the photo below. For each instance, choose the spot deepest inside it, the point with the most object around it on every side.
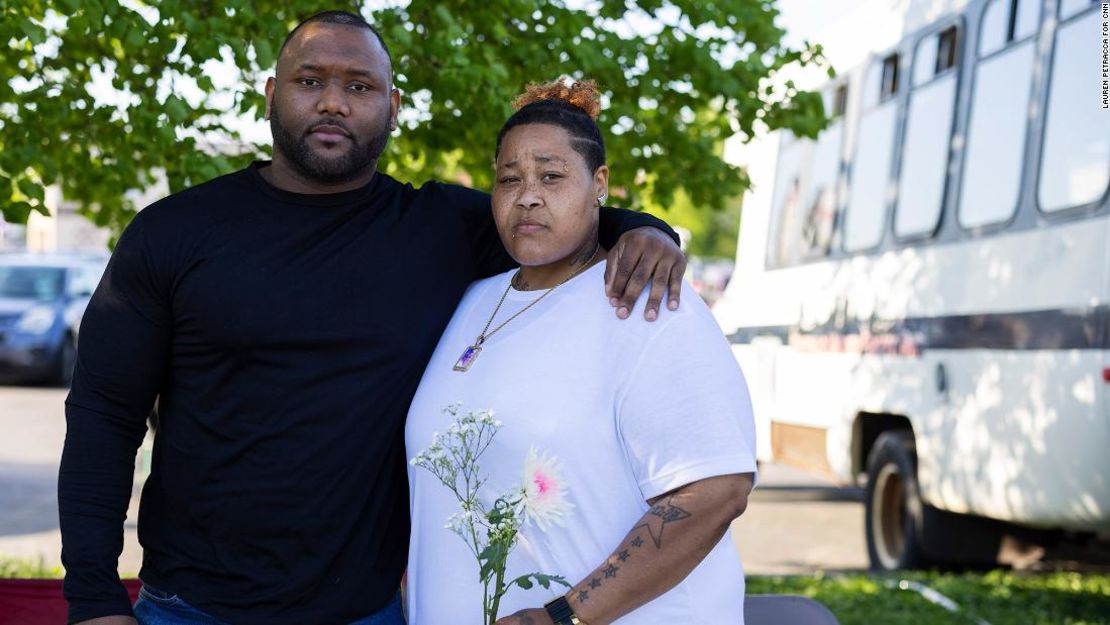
(37, 320)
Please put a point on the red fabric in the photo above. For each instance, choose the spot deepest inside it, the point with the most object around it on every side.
(40, 601)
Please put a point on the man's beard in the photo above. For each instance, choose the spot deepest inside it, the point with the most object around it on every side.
(357, 161)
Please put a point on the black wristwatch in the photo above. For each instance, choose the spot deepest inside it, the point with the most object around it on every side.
(561, 613)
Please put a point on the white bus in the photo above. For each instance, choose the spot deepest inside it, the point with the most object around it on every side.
(922, 294)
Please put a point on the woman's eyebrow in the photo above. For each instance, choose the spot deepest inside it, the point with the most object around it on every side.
(541, 158)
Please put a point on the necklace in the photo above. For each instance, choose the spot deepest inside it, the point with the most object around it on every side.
(470, 354)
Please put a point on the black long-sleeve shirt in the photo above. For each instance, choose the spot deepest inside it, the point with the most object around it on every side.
(283, 336)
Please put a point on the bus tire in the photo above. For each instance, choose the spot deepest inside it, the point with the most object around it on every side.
(893, 507)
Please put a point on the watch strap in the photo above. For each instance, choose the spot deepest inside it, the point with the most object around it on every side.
(561, 613)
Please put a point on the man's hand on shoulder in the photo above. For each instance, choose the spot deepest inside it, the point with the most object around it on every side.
(110, 620)
(641, 256)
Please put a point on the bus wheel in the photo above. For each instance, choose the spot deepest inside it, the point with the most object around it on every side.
(893, 505)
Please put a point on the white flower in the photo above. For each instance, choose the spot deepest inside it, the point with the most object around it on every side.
(545, 490)
(485, 417)
(461, 522)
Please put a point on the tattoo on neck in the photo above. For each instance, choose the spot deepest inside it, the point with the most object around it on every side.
(584, 256)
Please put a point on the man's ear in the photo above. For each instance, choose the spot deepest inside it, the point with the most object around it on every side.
(270, 83)
(394, 107)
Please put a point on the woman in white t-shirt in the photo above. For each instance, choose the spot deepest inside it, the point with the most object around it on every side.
(650, 423)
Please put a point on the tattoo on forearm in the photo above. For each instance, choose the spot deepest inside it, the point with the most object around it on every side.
(524, 619)
(608, 572)
(659, 516)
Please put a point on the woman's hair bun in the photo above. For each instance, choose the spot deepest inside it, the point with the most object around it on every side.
(581, 94)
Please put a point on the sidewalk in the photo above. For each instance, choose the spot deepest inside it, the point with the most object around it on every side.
(797, 523)
(29, 523)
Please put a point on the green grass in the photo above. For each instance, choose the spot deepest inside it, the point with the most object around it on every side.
(27, 569)
(997, 597)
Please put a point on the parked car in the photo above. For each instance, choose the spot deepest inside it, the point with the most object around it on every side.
(42, 299)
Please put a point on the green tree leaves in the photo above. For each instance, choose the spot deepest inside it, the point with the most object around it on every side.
(679, 76)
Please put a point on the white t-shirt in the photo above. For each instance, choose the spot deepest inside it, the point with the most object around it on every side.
(631, 409)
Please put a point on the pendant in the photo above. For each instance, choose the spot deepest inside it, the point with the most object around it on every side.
(468, 357)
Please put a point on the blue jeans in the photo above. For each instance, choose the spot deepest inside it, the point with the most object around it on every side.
(156, 607)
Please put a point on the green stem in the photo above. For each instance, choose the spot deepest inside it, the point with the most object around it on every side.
(487, 604)
(499, 590)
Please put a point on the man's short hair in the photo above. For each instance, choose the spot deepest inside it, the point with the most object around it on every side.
(345, 18)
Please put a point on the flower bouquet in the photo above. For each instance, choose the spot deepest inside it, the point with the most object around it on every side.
(491, 533)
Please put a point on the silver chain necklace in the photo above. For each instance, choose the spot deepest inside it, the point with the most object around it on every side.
(470, 354)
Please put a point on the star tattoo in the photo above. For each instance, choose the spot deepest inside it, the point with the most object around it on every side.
(623, 555)
(660, 515)
(611, 571)
(595, 582)
(583, 596)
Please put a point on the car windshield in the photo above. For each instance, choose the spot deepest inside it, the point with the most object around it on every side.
(40, 283)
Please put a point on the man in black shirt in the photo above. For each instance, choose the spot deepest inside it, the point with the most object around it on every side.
(282, 317)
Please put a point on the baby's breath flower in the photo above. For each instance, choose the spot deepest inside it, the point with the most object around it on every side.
(452, 457)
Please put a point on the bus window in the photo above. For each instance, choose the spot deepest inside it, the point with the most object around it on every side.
(868, 190)
(946, 50)
(928, 135)
(996, 132)
(1075, 162)
(992, 33)
(820, 203)
(1006, 21)
(890, 77)
(1025, 18)
(805, 193)
(1069, 8)
(840, 101)
(925, 61)
(786, 241)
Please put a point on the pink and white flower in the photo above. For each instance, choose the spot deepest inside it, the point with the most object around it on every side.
(545, 490)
